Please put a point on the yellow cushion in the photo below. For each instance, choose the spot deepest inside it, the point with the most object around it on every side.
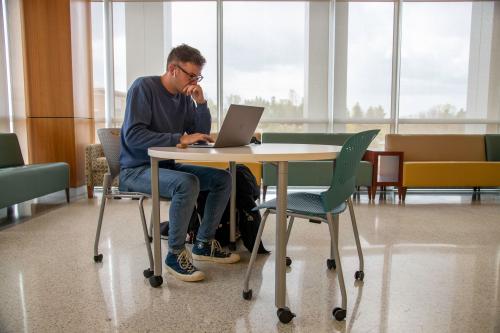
(256, 168)
(438, 147)
(435, 174)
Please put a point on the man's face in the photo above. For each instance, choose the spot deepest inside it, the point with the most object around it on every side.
(186, 74)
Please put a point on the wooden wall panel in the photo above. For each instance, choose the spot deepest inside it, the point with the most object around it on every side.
(48, 58)
(52, 140)
(58, 72)
(61, 140)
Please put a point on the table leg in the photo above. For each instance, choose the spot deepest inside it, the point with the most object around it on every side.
(280, 273)
(284, 313)
(232, 207)
(156, 280)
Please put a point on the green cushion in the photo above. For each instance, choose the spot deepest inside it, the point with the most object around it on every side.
(23, 183)
(311, 173)
(299, 174)
(10, 152)
(492, 143)
(336, 139)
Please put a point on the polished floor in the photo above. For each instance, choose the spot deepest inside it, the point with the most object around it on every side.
(432, 265)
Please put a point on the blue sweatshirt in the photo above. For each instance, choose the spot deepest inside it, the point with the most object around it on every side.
(156, 118)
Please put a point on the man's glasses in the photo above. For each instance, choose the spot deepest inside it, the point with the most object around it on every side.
(193, 77)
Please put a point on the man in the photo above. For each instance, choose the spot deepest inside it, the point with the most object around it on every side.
(165, 111)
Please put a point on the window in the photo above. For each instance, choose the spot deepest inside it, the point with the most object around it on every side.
(363, 68)
(145, 32)
(264, 60)
(435, 59)
(202, 34)
(96, 11)
(5, 117)
(278, 54)
(369, 60)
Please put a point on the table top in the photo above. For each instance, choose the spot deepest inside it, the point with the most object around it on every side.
(270, 152)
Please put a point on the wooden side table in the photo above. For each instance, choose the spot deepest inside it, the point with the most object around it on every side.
(387, 170)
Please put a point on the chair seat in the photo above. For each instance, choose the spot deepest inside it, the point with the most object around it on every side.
(305, 204)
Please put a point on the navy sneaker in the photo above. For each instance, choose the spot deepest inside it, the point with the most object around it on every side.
(181, 266)
(212, 251)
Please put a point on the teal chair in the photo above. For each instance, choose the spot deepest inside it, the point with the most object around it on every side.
(299, 171)
(325, 207)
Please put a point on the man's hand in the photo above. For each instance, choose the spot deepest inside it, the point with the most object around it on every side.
(196, 92)
(188, 139)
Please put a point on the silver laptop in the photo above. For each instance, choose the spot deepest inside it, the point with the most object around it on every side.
(238, 127)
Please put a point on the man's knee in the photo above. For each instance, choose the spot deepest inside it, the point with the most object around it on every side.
(223, 179)
(189, 185)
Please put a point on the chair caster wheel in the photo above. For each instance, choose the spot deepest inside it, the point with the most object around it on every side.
(285, 315)
(155, 281)
(247, 294)
(330, 263)
(288, 261)
(148, 273)
(150, 239)
(359, 275)
(232, 246)
(98, 258)
(339, 314)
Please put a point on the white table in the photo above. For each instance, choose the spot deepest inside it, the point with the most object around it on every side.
(279, 153)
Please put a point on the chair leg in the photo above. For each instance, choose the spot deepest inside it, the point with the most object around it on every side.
(289, 229)
(333, 224)
(356, 236)
(264, 191)
(402, 193)
(150, 235)
(67, 194)
(334, 238)
(146, 236)
(246, 291)
(90, 191)
(105, 188)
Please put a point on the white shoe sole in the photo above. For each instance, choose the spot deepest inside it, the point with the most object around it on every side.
(232, 259)
(196, 276)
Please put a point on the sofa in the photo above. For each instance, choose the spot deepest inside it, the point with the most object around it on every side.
(447, 160)
(96, 166)
(20, 182)
(311, 173)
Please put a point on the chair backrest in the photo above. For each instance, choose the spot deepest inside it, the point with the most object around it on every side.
(10, 151)
(110, 140)
(337, 139)
(346, 164)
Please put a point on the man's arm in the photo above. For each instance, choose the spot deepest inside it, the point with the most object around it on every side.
(201, 120)
(138, 116)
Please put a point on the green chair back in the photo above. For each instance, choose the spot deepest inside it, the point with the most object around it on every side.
(10, 151)
(492, 144)
(346, 164)
(337, 139)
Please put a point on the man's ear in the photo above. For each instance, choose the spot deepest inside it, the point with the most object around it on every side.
(171, 69)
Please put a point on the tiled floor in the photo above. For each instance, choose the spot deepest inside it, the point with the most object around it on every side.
(432, 265)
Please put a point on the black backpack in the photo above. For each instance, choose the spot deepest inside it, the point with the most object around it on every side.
(248, 220)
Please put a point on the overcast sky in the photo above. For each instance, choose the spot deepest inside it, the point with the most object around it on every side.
(264, 50)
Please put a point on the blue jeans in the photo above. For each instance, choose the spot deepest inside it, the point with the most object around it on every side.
(182, 183)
